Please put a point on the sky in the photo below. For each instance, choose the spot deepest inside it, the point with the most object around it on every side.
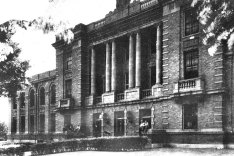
(36, 46)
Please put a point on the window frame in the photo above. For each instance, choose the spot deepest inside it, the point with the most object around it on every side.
(68, 90)
(193, 55)
(194, 119)
(53, 94)
(42, 96)
(68, 61)
(191, 27)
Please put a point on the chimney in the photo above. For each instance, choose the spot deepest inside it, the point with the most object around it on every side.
(120, 4)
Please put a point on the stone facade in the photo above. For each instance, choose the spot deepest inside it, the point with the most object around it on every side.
(143, 61)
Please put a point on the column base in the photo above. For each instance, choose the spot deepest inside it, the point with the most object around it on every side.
(157, 90)
(132, 94)
(108, 97)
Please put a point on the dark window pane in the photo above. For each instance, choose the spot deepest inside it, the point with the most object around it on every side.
(53, 94)
(52, 123)
(31, 123)
(190, 116)
(191, 64)
(22, 100)
(31, 100)
(42, 123)
(68, 88)
(42, 96)
(191, 23)
(22, 124)
(68, 61)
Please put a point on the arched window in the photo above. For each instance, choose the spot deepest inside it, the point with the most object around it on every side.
(22, 100)
(32, 98)
(53, 94)
(42, 96)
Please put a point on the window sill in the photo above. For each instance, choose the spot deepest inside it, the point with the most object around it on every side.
(189, 36)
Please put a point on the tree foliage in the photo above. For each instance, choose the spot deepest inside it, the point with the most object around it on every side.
(217, 19)
(12, 69)
(3, 129)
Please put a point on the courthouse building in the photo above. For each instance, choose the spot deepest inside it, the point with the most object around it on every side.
(143, 61)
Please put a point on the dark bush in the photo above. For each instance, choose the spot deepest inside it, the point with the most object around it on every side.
(100, 144)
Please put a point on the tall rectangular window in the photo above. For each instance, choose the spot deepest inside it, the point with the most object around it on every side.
(68, 88)
(14, 102)
(191, 64)
(191, 23)
(22, 100)
(14, 125)
(190, 116)
(67, 120)
(68, 61)
(31, 123)
(52, 122)
(42, 123)
(22, 125)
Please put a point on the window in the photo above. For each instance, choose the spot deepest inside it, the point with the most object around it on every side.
(119, 123)
(191, 23)
(14, 125)
(68, 61)
(191, 64)
(68, 88)
(96, 125)
(153, 75)
(42, 123)
(22, 124)
(31, 123)
(14, 102)
(190, 116)
(53, 94)
(22, 100)
(145, 115)
(67, 120)
(31, 100)
(126, 80)
(42, 96)
(52, 122)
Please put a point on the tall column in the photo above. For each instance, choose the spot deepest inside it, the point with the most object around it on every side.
(108, 68)
(47, 112)
(10, 106)
(18, 113)
(138, 59)
(26, 113)
(36, 112)
(125, 122)
(158, 55)
(93, 72)
(131, 62)
(113, 73)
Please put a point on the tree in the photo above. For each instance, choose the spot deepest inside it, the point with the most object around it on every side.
(3, 129)
(216, 16)
(12, 69)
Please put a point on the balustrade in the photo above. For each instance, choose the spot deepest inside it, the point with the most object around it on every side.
(146, 93)
(189, 85)
(120, 96)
